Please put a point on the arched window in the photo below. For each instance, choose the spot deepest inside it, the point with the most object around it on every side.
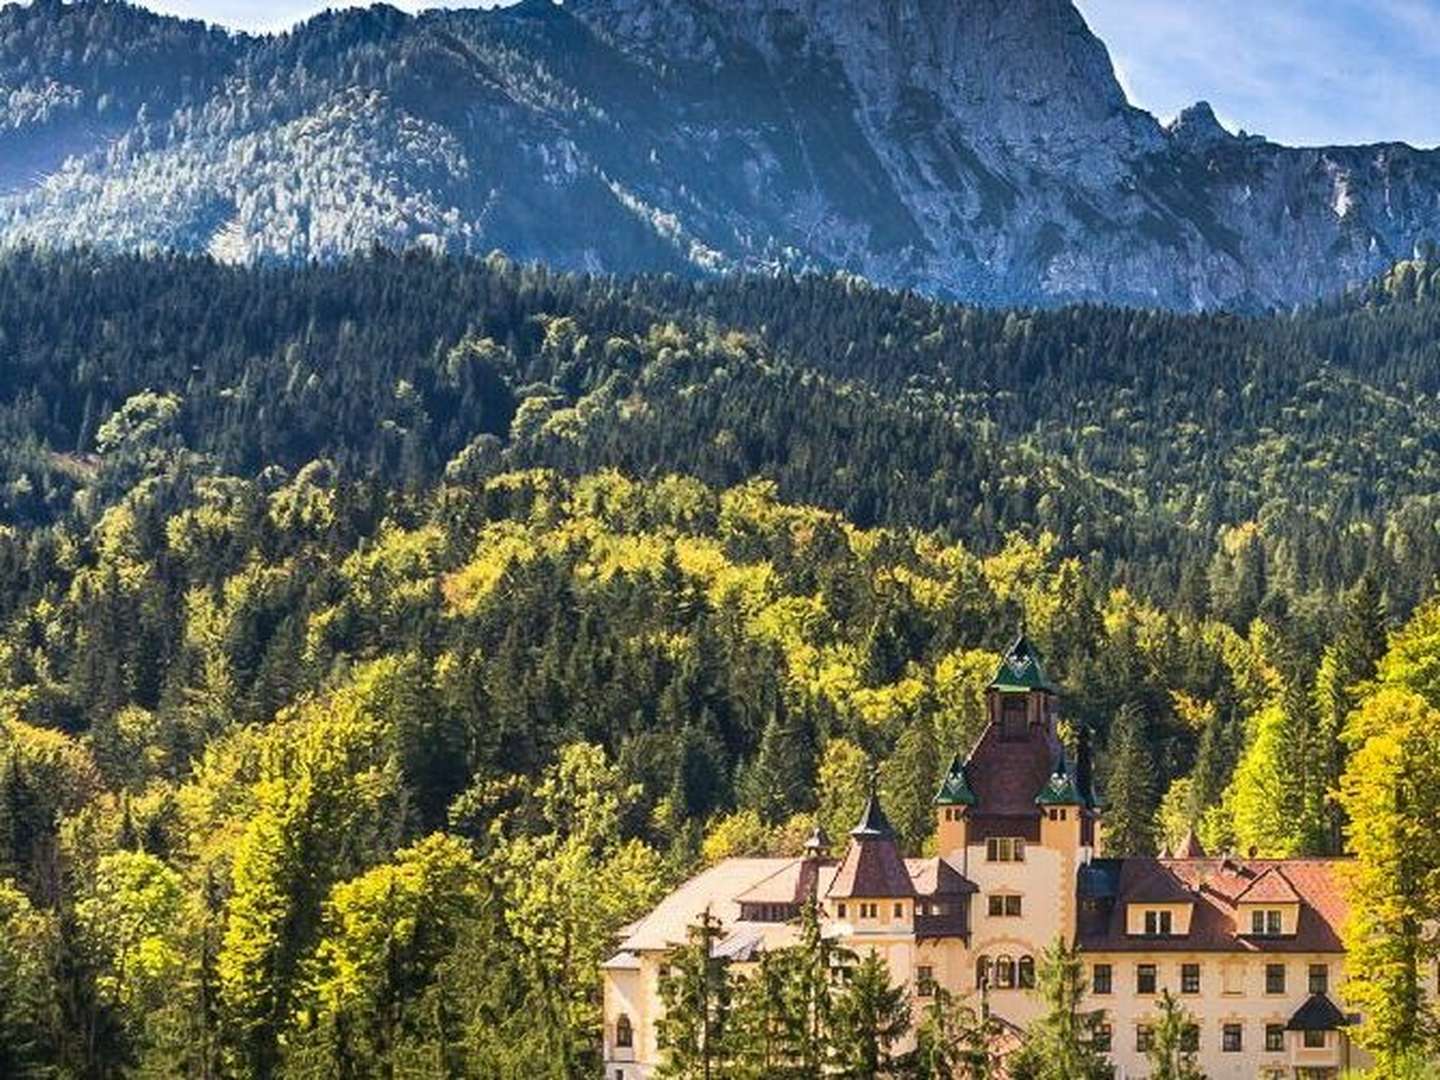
(982, 972)
(1026, 973)
(624, 1033)
(1004, 973)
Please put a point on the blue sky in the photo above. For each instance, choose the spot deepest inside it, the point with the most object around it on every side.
(1299, 71)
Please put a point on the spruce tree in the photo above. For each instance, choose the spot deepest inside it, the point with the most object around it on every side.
(871, 1017)
(1130, 790)
(1061, 1044)
(1172, 1053)
(694, 1032)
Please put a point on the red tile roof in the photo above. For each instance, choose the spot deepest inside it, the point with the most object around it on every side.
(1216, 886)
(1271, 887)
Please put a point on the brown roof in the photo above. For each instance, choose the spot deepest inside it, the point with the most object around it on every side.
(872, 870)
(1216, 886)
(938, 877)
(1271, 887)
(1007, 774)
(1159, 886)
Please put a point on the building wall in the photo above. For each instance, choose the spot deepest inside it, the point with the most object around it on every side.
(635, 994)
(1232, 991)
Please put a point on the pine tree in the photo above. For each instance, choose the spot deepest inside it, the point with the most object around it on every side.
(695, 987)
(955, 1041)
(812, 1008)
(1130, 789)
(1061, 1044)
(762, 1024)
(778, 782)
(1172, 1053)
(1350, 661)
(871, 1017)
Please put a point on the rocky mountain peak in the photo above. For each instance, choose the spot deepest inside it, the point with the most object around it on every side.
(975, 149)
(1198, 128)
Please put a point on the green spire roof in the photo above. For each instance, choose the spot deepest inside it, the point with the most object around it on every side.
(955, 790)
(1020, 670)
(1059, 791)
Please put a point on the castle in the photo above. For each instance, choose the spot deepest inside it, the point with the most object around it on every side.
(1250, 947)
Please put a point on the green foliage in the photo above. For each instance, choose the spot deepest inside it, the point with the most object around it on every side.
(1172, 1053)
(869, 1019)
(1061, 1044)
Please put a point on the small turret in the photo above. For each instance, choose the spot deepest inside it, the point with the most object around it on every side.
(952, 804)
(872, 888)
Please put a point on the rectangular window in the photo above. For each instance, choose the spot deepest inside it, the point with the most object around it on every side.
(1319, 979)
(1189, 978)
(1274, 1037)
(1005, 849)
(1012, 907)
(997, 906)
(840, 910)
(1144, 1038)
(1275, 978)
(1190, 1039)
(1102, 979)
(1232, 1038)
(1158, 923)
(1272, 923)
(925, 981)
(1104, 1038)
(1145, 979)
(899, 911)
(1314, 1040)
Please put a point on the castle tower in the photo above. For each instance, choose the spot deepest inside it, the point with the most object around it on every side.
(952, 803)
(872, 889)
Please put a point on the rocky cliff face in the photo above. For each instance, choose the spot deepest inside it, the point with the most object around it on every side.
(979, 149)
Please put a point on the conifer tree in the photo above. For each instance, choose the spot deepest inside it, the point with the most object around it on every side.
(1061, 1044)
(955, 1041)
(778, 782)
(871, 1017)
(694, 1032)
(1130, 791)
(1172, 1053)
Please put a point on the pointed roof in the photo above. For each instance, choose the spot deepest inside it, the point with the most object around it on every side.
(1059, 790)
(1271, 887)
(1318, 1013)
(873, 823)
(1020, 669)
(1190, 847)
(872, 868)
(955, 789)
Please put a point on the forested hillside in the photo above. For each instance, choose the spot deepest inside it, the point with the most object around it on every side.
(379, 639)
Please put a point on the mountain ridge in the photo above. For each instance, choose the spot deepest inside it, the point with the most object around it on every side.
(983, 151)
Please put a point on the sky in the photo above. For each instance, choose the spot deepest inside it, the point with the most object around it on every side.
(1302, 72)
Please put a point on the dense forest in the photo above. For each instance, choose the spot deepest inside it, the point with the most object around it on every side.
(376, 640)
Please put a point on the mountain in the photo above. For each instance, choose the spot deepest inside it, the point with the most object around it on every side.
(981, 150)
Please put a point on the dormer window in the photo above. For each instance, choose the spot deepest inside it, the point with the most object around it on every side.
(1159, 923)
(1266, 923)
